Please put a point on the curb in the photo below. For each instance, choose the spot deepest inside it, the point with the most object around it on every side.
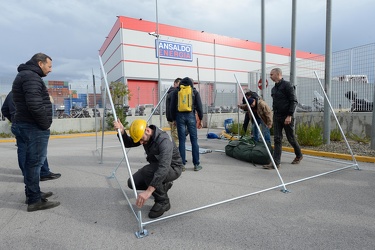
(332, 155)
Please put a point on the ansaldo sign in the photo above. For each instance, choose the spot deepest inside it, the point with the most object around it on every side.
(173, 50)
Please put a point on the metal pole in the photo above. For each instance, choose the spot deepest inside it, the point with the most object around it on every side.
(293, 73)
(103, 120)
(199, 84)
(70, 93)
(263, 49)
(329, 106)
(261, 135)
(209, 123)
(157, 51)
(96, 125)
(121, 140)
(373, 123)
(87, 96)
(328, 62)
(293, 50)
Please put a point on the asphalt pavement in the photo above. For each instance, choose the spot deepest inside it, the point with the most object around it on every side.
(322, 203)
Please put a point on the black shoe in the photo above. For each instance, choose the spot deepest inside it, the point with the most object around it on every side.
(42, 205)
(158, 209)
(42, 195)
(197, 167)
(51, 176)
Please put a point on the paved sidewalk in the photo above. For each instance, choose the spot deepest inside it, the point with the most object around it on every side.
(333, 211)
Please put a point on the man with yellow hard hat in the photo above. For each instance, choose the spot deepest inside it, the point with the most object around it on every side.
(165, 164)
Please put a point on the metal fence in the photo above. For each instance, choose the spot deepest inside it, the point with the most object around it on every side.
(353, 71)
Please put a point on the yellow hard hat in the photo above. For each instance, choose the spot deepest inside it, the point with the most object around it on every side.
(137, 129)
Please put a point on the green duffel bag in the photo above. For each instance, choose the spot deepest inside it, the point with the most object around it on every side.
(229, 148)
(249, 150)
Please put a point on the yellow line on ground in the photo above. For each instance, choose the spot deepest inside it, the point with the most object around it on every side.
(333, 155)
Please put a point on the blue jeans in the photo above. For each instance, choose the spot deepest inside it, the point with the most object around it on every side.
(35, 144)
(186, 120)
(21, 153)
(265, 130)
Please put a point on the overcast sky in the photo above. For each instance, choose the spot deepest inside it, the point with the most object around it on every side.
(72, 31)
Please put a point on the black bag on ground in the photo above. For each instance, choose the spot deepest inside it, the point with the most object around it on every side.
(249, 150)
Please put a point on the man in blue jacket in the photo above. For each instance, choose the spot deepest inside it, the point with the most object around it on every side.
(33, 119)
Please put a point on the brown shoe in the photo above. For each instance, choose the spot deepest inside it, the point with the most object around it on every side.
(270, 166)
(297, 160)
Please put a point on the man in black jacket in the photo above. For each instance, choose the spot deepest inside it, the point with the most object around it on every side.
(33, 119)
(165, 164)
(172, 125)
(9, 112)
(284, 105)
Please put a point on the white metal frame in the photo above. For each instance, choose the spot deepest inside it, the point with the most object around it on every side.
(142, 232)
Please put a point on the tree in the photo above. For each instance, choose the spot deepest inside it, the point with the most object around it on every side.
(118, 92)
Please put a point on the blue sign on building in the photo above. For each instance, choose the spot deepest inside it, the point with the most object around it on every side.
(173, 50)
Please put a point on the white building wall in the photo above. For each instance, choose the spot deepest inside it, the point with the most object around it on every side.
(141, 62)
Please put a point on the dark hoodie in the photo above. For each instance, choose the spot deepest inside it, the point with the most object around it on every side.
(30, 96)
(168, 104)
(197, 102)
(8, 109)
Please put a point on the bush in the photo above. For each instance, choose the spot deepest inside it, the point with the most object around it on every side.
(336, 135)
(234, 129)
(5, 135)
(309, 135)
(118, 91)
(357, 138)
(120, 115)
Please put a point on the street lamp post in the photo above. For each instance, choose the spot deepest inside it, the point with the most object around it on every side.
(156, 34)
(157, 47)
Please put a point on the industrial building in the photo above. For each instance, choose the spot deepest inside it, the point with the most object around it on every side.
(139, 53)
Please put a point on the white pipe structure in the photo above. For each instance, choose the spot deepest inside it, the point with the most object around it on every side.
(333, 112)
(141, 231)
(261, 135)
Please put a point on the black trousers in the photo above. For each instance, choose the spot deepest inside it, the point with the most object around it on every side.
(278, 126)
(143, 177)
(246, 122)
